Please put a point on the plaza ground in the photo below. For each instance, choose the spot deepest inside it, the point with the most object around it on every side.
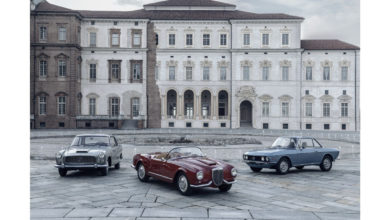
(306, 194)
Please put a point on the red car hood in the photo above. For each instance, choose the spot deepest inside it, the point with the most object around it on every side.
(200, 163)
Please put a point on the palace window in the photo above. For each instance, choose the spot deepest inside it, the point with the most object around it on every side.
(344, 73)
(344, 109)
(326, 126)
(42, 68)
(62, 68)
(285, 73)
(172, 74)
(265, 39)
(172, 39)
(206, 39)
(326, 109)
(137, 39)
(223, 39)
(223, 100)
(246, 73)
(309, 73)
(92, 39)
(189, 40)
(309, 109)
(114, 108)
(206, 73)
(308, 126)
(285, 109)
(92, 106)
(326, 73)
(343, 126)
(265, 73)
(247, 39)
(265, 109)
(115, 39)
(115, 71)
(285, 39)
(92, 72)
(61, 105)
(137, 72)
(285, 126)
(62, 34)
(135, 107)
(42, 105)
(223, 72)
(42, 33)
(188, 73)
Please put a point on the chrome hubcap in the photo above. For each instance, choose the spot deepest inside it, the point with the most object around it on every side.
(141, 171)
(183, 185)
(283, 166)
(326, 163)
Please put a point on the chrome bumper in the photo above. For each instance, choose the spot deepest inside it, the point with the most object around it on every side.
(81, 166)
(211, 182)
(257, 162)
(132, 166)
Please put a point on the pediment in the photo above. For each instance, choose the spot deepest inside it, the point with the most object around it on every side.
(344, 98)
(61, 56)
(246, 63)
(285, 97)
(223, 63)
(308, 97)
(92, 95)
(61, 94)
(285, 63)
(206, 63)
(308, 63)
(265, 97)
(172, 63)
(265, 63)
(41, 94)
(327, 63)
(326, 98)
(345, 63)
(188, 63)
(43, 56)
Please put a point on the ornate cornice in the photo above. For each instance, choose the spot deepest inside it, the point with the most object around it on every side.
(246, 92)
(308, 97)
(285, 98)
(344, 98)
(246, 63)
(223, 63)
(188, 63)
(285, 63)
(326, 98)
(308, 63)
(326, 63)
(266, 97)
(206, 63)
(172, 63)
(265, 63)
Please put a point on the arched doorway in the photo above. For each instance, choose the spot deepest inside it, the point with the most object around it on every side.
(246, 114)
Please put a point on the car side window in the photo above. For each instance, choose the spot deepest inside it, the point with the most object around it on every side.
(316, 144)
(112, 142)
(306, 143)
(116, 142)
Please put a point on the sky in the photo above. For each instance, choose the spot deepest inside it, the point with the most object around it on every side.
(324, 19)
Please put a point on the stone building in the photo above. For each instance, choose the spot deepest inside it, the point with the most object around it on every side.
(205, 64)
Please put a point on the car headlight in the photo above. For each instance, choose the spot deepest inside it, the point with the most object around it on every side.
(199, 175)
(234, 172)
(101, 155)
(58, 155)
(267, 159)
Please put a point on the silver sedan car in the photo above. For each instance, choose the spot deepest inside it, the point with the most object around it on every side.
(90, 151)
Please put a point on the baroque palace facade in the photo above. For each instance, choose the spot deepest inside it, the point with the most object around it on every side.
(188, 63)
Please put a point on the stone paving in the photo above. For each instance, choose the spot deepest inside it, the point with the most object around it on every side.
(306, 194)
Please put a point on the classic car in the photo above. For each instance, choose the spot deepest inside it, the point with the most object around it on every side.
(187, 167)
(287, 152)
(90, 151)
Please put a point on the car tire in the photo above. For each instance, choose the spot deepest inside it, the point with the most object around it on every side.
(141, 173)
(62, 171)
(183, 185)
(225, 187)
(104, 171)
(300, 167)
(326, 164)
(283, 166)
(118, 166)
(255, 169)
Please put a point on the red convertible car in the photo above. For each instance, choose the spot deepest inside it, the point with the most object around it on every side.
(187, 167)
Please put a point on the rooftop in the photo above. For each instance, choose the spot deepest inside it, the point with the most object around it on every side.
(327, 45)
(202, 3)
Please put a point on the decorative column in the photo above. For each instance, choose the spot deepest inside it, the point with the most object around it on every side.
(197, 107)
(180, 107)
(213, 107)
(163, 107)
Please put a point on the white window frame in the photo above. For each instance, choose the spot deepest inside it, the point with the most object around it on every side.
(223, 39)
(92, 39)
(206, 40)
(156, 73)
(247, 39)
(171, 39)
(62, 33)
(137, 39)
(61, 105)
(114, 106)
(344, 109)
(43, 68)
(285, 109)
(172, 73)
(62, 68)
(285, 39)
(309, 73)
(309, 109)
(223, 73)
(246, 73)
(285, 73)
(265, 39)
(344, 73)
(265, 75)
(326, 110)
(135, 107)
(43, 33)
(136, 71)
(265, 109)
(326, 73)
(92, 106)
(206, 73)
(189, 72)
(92, 71)
(115, 71)
(42, 105)
(189, 40)
(115, 39)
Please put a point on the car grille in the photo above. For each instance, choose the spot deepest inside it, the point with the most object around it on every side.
(80, 160)
(254, 158)
(217, 175)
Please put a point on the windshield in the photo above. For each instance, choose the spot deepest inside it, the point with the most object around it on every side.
(90, 141)
(284, 142)
(185, 152)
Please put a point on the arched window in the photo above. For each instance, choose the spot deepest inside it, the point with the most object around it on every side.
(171, 103)
(189, 104)
(223, 100)
(206, 104)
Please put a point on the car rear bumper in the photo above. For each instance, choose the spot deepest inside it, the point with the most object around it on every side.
(81, 166)
(211, 184)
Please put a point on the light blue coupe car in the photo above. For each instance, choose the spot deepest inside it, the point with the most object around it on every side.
(287, 152)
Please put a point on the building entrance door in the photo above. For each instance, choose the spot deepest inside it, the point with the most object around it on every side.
(246, 114)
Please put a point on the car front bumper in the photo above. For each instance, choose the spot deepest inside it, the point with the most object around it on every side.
(260, 164)
(81, 166)
(211, 184)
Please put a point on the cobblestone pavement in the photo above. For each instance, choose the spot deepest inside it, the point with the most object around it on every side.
(306, 194)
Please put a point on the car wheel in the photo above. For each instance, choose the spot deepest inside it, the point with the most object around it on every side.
(141, 173)
(62, 171)
(255, 169)
(104, 171)
(283, 166)
(326, 164)
(183, 185)
(300, 167)
(118, 166)
(225, 187)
